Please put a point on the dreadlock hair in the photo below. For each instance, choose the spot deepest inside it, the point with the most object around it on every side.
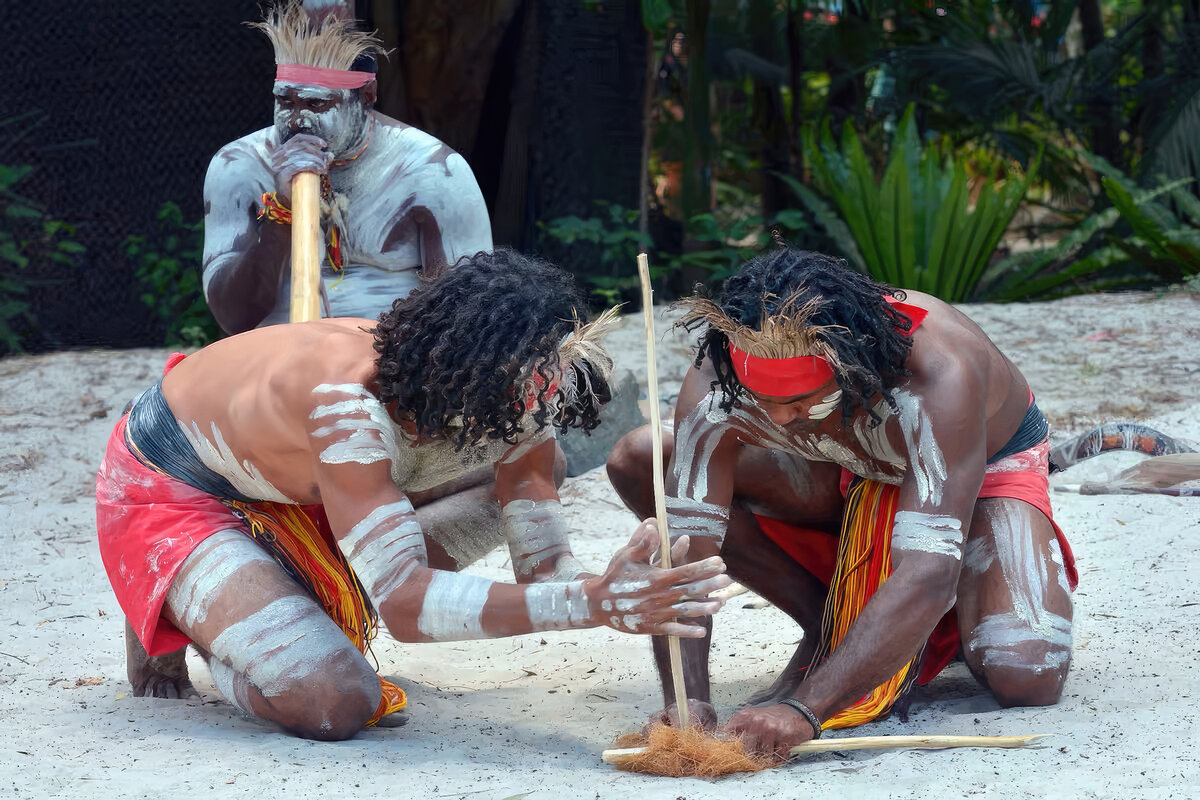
(485, 339)
(847, 318)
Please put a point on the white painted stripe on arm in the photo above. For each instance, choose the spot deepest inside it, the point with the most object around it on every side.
(453, 607)
(938, 534)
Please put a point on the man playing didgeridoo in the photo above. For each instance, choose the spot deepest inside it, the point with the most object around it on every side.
(259, 501)
(836, 432)
(395, 201)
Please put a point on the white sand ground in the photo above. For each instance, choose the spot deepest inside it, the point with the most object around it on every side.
(528, 717)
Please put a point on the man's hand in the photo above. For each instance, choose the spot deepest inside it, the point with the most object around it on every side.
(301, 153)
(702, 714)
(634, 597)
(770, 729)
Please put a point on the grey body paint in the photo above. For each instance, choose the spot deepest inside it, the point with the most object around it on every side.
(404, 186)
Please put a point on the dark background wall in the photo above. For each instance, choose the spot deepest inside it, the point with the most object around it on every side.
(133, 97)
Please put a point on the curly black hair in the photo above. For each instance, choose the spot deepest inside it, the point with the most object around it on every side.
(468, 341)
(872, 338)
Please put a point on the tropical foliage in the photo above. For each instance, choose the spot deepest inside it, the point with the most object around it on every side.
(167, 269)
(926, 224)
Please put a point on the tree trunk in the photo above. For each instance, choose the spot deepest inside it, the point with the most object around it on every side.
(697, 167)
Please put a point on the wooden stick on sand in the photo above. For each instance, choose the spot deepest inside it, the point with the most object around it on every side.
(660, 504)
(618, 757)
(306, 247)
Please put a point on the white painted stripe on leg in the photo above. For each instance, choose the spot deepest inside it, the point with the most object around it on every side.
(280, 644)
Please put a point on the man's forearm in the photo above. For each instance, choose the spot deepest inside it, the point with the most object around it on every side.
(242, 285)
(889, 633)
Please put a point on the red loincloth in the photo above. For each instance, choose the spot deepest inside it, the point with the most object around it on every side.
(1021, 476)
(148, 524)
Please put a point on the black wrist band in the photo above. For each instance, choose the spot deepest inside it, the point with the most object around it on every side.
(805, 712)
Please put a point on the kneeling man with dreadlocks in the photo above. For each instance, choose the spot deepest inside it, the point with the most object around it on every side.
(868, 461)
(258, 502)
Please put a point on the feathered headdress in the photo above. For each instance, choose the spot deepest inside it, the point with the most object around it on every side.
(332, 44)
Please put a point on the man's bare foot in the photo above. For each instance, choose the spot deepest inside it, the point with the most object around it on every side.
(392, 720)
(156, 676)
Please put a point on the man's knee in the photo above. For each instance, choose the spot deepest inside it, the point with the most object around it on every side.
(630, 461)
(1022, 673)
(1034, 685)
(335, 700)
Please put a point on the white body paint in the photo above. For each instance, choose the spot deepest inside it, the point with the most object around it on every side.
(1001, 638)
(218, 457)
(384, 548)
(823, 409)
(536, 532)
(280, 644)
(206, 571)
(938, 534)
(232, 685)
(925, 458)
(453, 607)
(356, 427)
(557, 606)
(686, 516)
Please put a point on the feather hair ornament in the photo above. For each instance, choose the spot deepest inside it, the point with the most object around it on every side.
(787, 332)
(332, 44)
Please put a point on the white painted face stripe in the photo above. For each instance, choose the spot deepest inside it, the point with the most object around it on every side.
(280, 644)
(824, 408)
(556, 606)
(453, 607)
(938, 534)
(205, 572)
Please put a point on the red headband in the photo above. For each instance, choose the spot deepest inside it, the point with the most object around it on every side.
(318, 76)
(780, 377)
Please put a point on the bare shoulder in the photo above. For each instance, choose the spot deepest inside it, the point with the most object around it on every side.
(251, 149)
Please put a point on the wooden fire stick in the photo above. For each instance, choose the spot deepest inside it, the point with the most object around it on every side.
(620, 756)
(660, 502)
(306, 247)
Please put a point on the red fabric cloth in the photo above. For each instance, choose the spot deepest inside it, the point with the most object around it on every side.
(147, 524)
(1021, 476)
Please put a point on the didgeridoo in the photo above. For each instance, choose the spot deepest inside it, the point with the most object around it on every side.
(306, 247)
